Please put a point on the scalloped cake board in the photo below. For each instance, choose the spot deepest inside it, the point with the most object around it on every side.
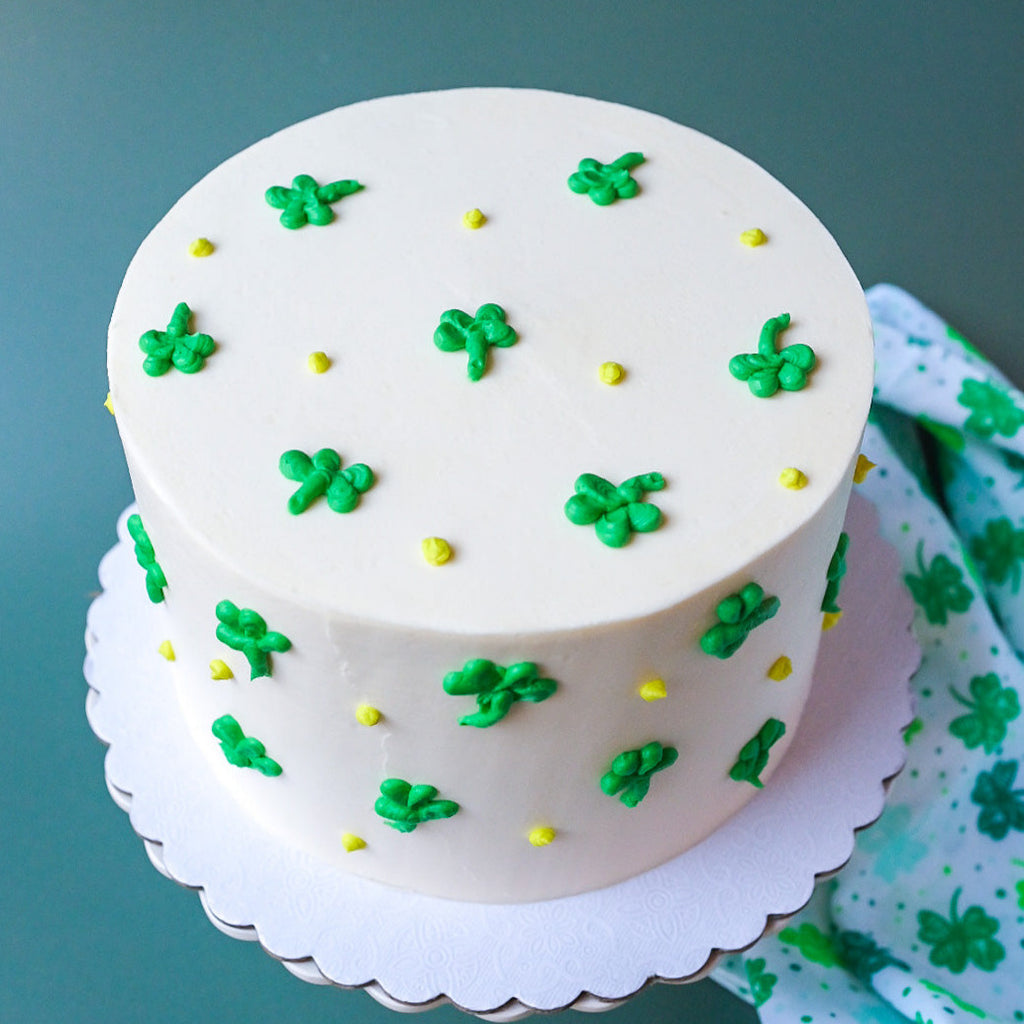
(590, 951)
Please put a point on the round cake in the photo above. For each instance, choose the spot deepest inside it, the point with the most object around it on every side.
(491, 450)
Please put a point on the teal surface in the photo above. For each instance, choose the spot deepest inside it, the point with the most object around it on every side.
(900, 125)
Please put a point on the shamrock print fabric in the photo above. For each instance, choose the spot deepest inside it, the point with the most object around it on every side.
(926, 922)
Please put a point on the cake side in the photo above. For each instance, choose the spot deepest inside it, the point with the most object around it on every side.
(617, 651)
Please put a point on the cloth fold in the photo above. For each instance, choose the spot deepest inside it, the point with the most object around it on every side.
(926, 922)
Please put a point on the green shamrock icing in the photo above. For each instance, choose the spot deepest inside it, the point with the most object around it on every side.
(497, 688)
(814, 944)
(244, 630)
(753, 758)
(761, 982)
(459, 331)
(241, 750)
(144, 555)
(834, 576)
(404, 806)
(992, 707)
(630, 774)
(862, 956)
(306, 202)
(738, 614)
(767, 370)
(958, 941)
(939, 589)
(605, 183)
(992, 409)
(999, 551)
(1002, 805)
(175, 346)
(322, 475)
(616, 512)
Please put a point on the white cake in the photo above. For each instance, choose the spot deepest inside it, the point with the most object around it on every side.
(373, 654)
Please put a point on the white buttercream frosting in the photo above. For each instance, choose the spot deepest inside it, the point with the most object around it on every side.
(661, 284)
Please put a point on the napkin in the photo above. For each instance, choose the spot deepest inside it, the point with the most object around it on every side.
(926, 922)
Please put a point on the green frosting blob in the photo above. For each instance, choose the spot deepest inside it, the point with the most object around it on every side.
(768, 370)
(175, 346)
(497, 688)
(306, 202)
(738, 614)
(615, 512)
(241, 750)
(404, 805)
(321, 475)
(629, 776)
(244, 630)
(834, 576)
(145, 556)
(458, 331)
(753, 758)
(605, 183)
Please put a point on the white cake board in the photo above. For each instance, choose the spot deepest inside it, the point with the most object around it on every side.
(589, 952)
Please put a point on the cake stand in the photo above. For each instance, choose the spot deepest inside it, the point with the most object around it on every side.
(502, 962)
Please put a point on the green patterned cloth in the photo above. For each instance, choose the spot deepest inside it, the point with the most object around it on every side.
(926, 922)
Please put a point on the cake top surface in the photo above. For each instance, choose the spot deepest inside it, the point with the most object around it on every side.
(551, 286)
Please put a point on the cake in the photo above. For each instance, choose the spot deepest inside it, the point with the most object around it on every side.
(491, 451)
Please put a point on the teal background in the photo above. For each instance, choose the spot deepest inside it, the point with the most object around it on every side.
(900, 125)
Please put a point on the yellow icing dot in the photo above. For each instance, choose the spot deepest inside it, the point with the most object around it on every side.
(654, 689)
(793, 479)
(352, 843)
(830, 619)
(200, 247)
(436, 550)
(166, 650)
(220, 670)
(109, 405)
(318, 362)
(753, 237)
(473, 219)
(780, 669)
(542, 836)
(861, 470)
(611, 373)
(367, 715)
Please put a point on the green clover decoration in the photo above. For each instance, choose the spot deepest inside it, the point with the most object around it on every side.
(1002, 805)
(497, 688)
(458, 331)
(761, 982)
(834, 576)
(768, 370)
(863, 957)
(322, 475)
(960, 941)
(146, 557)
(753, 758)
(939, 589)
(241, 750)
(175, 346)
(605, 183)
(999, 552)
(813, 943)
(615, 512)
(404, 806)
(993, 410)
(738, 614)
(993, 706)
(306, 202)
(629, 776)
(244, 630)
